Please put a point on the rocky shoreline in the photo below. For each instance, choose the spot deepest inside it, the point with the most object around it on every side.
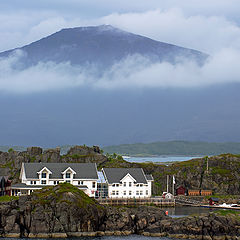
(64, 211)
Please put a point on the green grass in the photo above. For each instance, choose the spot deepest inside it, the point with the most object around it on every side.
(229, 213)
(7, 198)
(58, 193)
(221, 171)
(224, 197)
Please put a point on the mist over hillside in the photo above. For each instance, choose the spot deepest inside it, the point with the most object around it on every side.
(101, 85)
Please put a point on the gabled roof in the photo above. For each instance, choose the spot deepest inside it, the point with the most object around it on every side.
(24, 186)
(83, 170)
(44, 169)
(149, 177)
(114, 175)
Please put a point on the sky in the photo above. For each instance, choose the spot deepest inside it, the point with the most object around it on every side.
(212, 27)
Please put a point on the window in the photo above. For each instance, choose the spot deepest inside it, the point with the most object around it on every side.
(117, 185)
(137, 192)
(124, 193)
(130, 193)
(44, 175)
(68, 181)
(80, 182)
(34, 182)
(141, 185)
(117, 192)
(43, 182)
(113, 192)
(124, 184)
(146, 192)
(68, 175)
(31, 182)
(93, 184)
(54, 182)
(130, 184)
(141, 192)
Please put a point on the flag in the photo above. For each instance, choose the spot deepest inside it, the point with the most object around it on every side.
(173, 180)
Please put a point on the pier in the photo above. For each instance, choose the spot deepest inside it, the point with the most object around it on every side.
(180, 200)
(157, 201)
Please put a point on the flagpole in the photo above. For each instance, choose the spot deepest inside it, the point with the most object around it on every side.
(173, 185)
(167, 183)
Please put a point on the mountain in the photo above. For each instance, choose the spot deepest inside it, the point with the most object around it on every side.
(101, 46)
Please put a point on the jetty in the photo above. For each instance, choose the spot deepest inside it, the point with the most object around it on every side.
(180, 200)
(156, 201)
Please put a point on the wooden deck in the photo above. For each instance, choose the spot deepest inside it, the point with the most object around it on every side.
(161, 202)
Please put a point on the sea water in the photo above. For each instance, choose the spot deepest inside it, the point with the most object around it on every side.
(160, 159)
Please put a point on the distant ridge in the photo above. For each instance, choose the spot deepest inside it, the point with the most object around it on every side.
(174, 148)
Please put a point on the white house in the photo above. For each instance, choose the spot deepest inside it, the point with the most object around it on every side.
(37, 175)
(128, 183)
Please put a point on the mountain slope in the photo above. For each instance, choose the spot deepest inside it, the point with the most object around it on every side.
(101, 46)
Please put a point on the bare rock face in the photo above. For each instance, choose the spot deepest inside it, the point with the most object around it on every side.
(59, 209)
(85, 154)
(51, 155)
(34, 151)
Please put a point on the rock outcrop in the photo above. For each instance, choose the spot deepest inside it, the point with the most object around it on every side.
(10, 162)
(65, 211)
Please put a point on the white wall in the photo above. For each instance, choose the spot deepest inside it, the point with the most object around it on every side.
(123, 190)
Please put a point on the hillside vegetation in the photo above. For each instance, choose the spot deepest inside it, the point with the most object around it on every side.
(174, 148)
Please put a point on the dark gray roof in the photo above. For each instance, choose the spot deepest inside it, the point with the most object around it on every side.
(114, 175)
(149, 177)
(83, 170)
(23, 185)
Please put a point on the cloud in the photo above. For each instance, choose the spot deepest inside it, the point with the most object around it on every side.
(131, 73)
(174, 23)
(207, 34)
(208, 26)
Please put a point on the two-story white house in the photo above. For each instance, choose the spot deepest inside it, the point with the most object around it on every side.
(37, 175)
(128, 183)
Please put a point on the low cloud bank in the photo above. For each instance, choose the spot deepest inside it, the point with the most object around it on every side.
(131, 73)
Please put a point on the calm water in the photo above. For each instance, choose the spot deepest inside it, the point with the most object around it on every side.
(185, 211)
(160, 159)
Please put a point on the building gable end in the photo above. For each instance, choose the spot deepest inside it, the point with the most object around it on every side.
(128, 175)
(44, 169)
(68, 169)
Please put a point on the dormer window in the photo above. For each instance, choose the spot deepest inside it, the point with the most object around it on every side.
(68, 175)
(44, 175)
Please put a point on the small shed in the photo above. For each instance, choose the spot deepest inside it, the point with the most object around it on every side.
(169, 196)
(206, 192)
(5, 186)
(180, 190)
(194, 192)
(213, 201)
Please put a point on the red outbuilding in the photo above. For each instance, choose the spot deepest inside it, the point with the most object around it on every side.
(181, 190)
